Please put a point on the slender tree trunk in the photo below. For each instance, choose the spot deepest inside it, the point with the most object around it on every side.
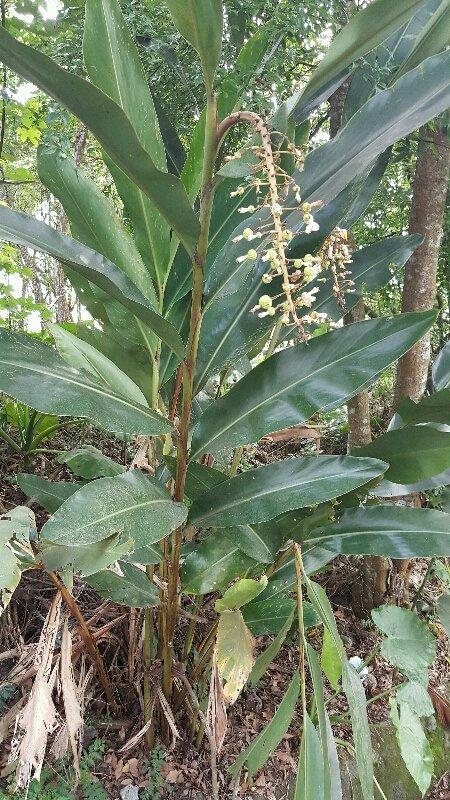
(426, 218)
(419, 288)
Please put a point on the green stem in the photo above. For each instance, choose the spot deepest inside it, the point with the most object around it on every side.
(206, 202)
(301, 626)
(419, 592)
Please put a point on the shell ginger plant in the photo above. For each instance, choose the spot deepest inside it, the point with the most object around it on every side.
(221, 259)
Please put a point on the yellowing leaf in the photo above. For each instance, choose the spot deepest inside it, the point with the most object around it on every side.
(233, 653)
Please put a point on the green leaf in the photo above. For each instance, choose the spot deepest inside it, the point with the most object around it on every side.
(330, 660)
(441, 369)
(89, 462)
(83, 356)
(414, 745)
(433, 38)
(86, 560)
(309, 784)
(353, 689)
(131, 358)
(414, 453)
(295, 383)
(36, 375)
(443, 612)
(132, 504)
(112, 129)
(263, 493)
(93, 219)
(213, 564)
(14, 524)
(24, 230)
(325, 732)
(133, 588)
(356, 698)
(264, 660)
(257, 753)
(433, 408)
(385, 118)
(17, 523)
(113, 65)
(389, 531)
(49, 494)
(366, 29)
(241, 593)
(416, 696)
(257, 541)
(233, 653)
(199, 477)
(269, 614)
(380, 67)
(409, 644)
(9, 575)
(200, 22)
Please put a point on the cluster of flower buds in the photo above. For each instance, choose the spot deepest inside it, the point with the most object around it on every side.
(335, 256)
(273, 184)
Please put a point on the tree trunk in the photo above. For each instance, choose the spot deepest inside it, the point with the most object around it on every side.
(419, 288)
(426, 218)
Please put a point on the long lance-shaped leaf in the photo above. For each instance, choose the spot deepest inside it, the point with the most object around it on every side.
(389, 531)
(25, 230)
(201, 24)
(113, 65)
(134, 505)
(84, 356)
(292, 385)
(35, 374)
(380, 67)
(130, 589)
(433, 38)
(264, 493)
(93, 220)
(309, 783)
(112, 129)
(367, 29)
(213, 564)
(316, 676)
(49, 494)
(353, 688)
(257, 753)
(441, 369)
(415, 98)
(414, 453)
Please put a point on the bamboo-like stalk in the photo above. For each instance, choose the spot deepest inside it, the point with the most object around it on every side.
(206, 201)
